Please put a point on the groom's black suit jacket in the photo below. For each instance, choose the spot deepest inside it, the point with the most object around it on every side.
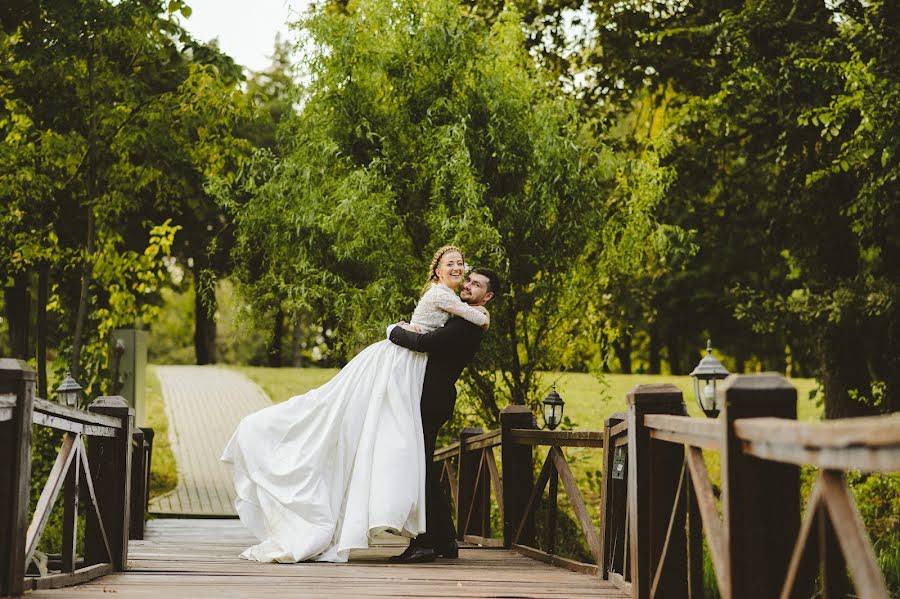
(449, 348)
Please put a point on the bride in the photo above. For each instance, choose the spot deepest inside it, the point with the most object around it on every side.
(321, 473)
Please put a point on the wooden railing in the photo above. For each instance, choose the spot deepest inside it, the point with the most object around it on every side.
(758, 546)
(658, 501)
(94, 465)
(555, 470)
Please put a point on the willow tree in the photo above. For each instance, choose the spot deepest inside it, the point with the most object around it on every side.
(420, 124)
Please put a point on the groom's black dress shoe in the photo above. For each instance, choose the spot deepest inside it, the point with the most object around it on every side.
(414, 555)
(450, 551)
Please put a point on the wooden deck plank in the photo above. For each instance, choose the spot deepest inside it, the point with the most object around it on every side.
(198, 559)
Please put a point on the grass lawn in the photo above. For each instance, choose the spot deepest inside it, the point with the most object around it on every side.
(163, 470)
(280, 384)
(588, 401)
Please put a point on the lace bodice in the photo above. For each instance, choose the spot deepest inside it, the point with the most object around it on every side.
(438, 304)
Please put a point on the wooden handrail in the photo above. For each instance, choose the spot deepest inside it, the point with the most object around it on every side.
(871, 444)
(75, 415)
(447, 452)
(64, 418)
(869, 431)
(488, 439)
(98, 472)
(557, 438)
(695, 432)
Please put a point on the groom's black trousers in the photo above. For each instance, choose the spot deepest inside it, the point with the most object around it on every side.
(440, 531)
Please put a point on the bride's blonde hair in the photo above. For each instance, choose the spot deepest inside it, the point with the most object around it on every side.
(436, 261)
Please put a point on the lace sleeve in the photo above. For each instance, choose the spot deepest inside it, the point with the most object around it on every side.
(450, 302)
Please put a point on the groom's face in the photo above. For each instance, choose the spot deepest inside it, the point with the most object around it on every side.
(475, 290)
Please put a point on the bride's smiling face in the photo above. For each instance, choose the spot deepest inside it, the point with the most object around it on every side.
(451, 269)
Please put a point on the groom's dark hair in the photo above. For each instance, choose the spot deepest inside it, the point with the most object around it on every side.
(493, 279)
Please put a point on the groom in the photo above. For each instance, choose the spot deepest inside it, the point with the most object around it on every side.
(450, 349)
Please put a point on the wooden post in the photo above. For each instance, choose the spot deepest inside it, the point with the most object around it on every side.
(110, 463)
(612, 501)
(654, 470)
(148, 448)
(138, 466)
(16, 378)
(518, 474)
(760, 498)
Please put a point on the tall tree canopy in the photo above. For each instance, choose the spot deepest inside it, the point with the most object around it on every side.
(423, 125)
(111, 119)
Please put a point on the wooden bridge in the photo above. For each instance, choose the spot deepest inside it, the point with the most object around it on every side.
(657, 508)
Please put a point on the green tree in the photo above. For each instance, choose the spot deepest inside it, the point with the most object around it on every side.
(422, 125)
(783, 138)
(109, 120)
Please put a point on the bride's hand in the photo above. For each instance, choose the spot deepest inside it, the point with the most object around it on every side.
(411, 327)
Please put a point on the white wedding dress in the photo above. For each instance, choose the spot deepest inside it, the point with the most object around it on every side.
(321, 473)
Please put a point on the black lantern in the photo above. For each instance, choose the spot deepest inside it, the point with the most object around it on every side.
(707, 372)
(553, 409)
(67, 393)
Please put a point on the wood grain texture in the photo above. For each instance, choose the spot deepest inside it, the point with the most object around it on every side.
(851, 535)
(558, 438)
(67, 452)
(17, 378)
(198, 559)
(684, 429)
(712, 524)
(870, 431)
(488, 439)
(42, 406)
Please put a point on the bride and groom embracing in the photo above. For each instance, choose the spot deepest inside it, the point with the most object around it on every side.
(322, 473)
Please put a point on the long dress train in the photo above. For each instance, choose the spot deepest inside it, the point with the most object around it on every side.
(321, 473)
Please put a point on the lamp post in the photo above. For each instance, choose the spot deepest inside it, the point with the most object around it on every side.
(705, 375)
(67, 393)
(553, 409)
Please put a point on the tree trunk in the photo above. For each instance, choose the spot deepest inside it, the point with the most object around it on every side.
(87, 273)
(654, 349)
(622, 347)
(275, 344)
(204, 322)
(675, 356)
(844, 372)
(18, 315)
(296, 356)
(42, 294)
(87, 270)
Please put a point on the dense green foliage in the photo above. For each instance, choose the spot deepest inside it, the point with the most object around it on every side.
(643, 175)
(421, 126)
(111, 119)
